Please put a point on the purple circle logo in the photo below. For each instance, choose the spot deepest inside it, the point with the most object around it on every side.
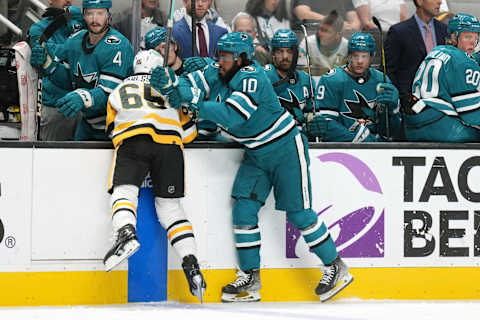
(354, 211)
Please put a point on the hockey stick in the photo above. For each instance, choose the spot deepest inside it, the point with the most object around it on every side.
(387, 122)
(309, 69)
(169, 32)
(193, 10)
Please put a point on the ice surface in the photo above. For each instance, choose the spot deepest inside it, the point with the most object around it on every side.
(343, 309)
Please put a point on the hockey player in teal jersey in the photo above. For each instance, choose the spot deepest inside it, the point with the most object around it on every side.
(96, 61)
(291, 86)
(352, 99)
(276, 156)
(53, 126)
(446, 103)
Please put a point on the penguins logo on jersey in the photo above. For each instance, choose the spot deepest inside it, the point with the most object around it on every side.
(361, 110)
(88, 81)
(113, 40)
(294, 102)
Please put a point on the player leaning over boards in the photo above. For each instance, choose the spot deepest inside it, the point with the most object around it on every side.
(148, 136)
(276, 155)
(96, 61)
(291, 86)
(446, 103)
(352, 99)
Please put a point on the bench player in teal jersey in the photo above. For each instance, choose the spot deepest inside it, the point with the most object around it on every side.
(291, 86)
(237, 95)
(352, 99)
(446, 103)
(53, 126)
(96, 61)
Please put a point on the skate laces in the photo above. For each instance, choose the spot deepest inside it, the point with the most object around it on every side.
(328, 274)
(243, 278)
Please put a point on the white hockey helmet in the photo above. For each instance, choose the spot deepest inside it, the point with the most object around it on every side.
(147, 60)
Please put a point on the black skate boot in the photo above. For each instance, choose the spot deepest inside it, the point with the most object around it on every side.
(245, 288)
(194, 276)
(335, 278)
(126, 244)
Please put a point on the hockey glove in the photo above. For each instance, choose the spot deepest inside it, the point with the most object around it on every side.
(164, 80)
(317, 126)
(174, 99)
(38, 56)
(53, 12)
(387, 94)
(193, 64)
(73, 102)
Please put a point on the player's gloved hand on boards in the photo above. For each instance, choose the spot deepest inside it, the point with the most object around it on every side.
(163, 80)
(387, 94)
(73, 102)
(193, 64)
(195, 108)
(317, 126)
(38, 56)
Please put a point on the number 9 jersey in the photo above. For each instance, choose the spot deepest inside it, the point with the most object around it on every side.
(135, 108)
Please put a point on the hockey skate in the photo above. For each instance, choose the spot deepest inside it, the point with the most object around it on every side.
(244, 289)
(126, 244)
(194, 276)
(335, 278)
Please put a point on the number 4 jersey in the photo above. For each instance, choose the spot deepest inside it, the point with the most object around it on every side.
(448, 81)
(135, 108)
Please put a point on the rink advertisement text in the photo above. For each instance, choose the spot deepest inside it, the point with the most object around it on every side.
(441, 201)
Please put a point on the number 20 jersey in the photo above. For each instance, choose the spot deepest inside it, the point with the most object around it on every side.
(448, 81)
(135, 108)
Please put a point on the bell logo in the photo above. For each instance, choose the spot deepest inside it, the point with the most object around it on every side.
(354, 213)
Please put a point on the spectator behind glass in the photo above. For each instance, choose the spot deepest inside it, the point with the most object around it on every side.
(151, 17)
(270, 15)
(212, 15)
(319, 9)
(243, 22)
(208, 33)
(388, 12)
(327, 48)
(407, 42)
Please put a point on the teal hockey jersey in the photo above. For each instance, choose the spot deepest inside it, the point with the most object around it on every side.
(351, 102)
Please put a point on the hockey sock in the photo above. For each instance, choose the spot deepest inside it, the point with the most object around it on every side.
(124, 206)
(320, 242)
(179, 230)
(247, 242)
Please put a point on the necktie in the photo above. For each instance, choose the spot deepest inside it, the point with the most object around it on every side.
(202, 41)
(428, 39)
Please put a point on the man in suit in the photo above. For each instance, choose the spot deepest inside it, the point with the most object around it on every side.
(207, 33)
(409, 42)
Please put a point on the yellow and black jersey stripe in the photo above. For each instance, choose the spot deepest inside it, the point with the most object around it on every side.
(135, 108)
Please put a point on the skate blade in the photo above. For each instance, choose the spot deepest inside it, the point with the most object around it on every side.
(130, 248)
(342, 283)
(248, 296)
(200, 291)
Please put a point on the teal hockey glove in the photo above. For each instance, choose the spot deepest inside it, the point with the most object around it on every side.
(164, 80)
(174, 99)
(387, 94)
(193, 64)
(73, 102)
(38, 56)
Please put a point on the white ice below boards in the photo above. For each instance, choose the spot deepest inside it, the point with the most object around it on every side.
(342, 309)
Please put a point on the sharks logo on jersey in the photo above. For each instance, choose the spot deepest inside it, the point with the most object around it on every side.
(88, 81)
(112, 40)
(293, 102)
(361, 110)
